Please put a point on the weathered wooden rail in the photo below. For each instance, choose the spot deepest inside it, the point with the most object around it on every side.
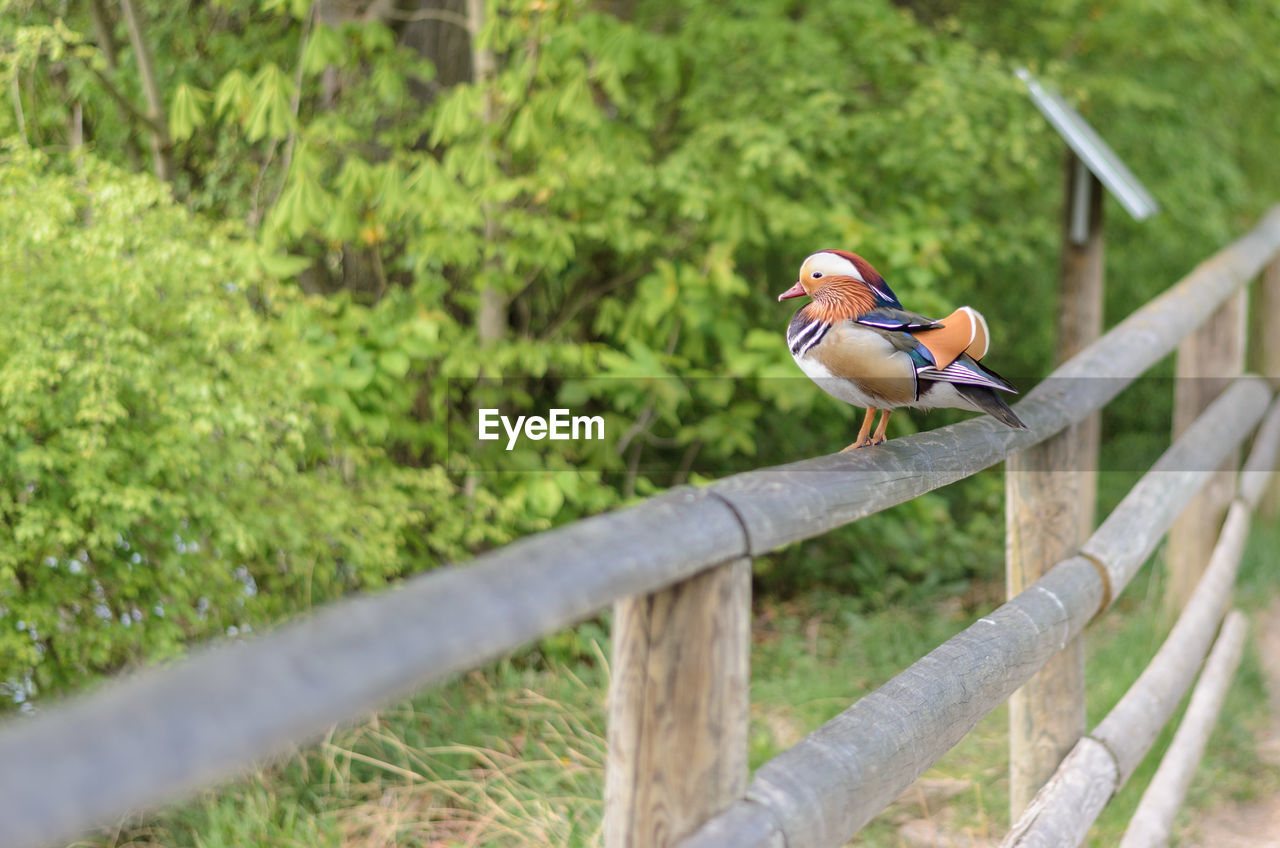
(677, 567)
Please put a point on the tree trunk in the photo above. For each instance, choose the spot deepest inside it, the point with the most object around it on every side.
(491, 317)
(161, 152)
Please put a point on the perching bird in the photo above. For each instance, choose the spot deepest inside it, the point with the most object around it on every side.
(856, 341)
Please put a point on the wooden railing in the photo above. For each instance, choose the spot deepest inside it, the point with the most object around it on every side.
(677, 567)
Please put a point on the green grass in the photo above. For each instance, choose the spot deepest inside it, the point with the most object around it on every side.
(512, 755)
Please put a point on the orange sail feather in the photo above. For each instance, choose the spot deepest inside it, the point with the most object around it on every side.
(963, 331)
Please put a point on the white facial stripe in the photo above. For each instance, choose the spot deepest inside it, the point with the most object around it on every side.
(830, 265)
(803, 341)
(805, 331)
(803, 338)
(883, 294)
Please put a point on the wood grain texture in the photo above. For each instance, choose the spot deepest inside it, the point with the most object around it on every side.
(746, 824)
(1050, 495)
(1131, 727)
(166, 731)
(1081, 269)
(1207, 362)
(1268, 305)
(1063, 811)
(1152, 823)
(822, 790)
(1046, 719)
(678, 707)
(1209, 359)
(1255, 477)
(1267, 349)
(1081, 282)
(1042, 528)
(1131, 532)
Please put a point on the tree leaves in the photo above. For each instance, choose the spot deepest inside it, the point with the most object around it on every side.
(187, 111)
(269, 111)
(325, 47)
(162, 448)
(633, 191)
(234, 96)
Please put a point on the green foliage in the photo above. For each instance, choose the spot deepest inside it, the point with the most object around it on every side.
(1185, 111)
(163, 474)
(632, 190)
(927, 547)
(530, 774)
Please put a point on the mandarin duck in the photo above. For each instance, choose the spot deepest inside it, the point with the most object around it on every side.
(860, 346)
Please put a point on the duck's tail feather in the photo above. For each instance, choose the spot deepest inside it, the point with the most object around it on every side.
(988, 401)
(966, 370)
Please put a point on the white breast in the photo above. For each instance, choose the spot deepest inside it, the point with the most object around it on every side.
(837, 387)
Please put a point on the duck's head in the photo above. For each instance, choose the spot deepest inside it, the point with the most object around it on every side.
(841, 269)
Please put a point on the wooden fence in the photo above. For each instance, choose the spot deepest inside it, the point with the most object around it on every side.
(677, 567)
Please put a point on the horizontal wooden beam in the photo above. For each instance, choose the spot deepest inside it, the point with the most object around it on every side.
(1071, 801)
(1130, 729)
(824, 789)
(1131, 532)
(164, 732)
(1261, 463)
(1088, 778)
(1207, 361)
(1152, 823)
(167, 731)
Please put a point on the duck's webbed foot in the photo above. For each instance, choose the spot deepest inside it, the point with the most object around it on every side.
(865, 439)
(879, 437)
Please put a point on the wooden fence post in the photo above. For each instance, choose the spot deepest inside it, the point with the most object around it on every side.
(1080, 311)
(1046, 715)
(1050, 492)
(1267, 327)
(678, 707)
(1208, 360)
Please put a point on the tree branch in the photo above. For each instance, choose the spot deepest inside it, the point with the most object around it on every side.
(295, 104)
(15, 90)
(160, 142)
(258, 213)
(592, 295)
(491, 316)
(102, 28)
(36, 137)
(134, 112)
(102, 31)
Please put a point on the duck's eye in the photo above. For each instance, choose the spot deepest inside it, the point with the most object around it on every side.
(817, 275)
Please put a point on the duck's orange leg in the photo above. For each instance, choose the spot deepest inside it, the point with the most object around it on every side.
(864, 434)
(878, 438)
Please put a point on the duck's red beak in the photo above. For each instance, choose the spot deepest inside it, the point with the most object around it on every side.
(795, 291)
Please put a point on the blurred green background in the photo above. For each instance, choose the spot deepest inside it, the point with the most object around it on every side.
(246, 247)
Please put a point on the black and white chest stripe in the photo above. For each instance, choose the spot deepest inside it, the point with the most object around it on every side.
(805, 332)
